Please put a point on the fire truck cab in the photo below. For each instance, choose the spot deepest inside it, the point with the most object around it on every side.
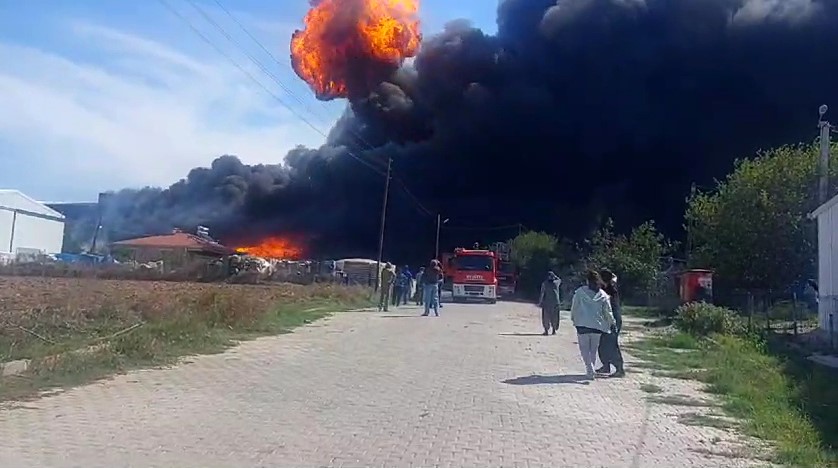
(473, 275)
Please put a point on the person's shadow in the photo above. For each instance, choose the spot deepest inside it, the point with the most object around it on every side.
(579, 379)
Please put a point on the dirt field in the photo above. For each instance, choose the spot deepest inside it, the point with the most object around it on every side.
(38, 313)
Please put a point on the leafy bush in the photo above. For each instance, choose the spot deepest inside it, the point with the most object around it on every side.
(702, 319)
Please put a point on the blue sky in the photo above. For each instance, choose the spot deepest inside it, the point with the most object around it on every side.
(105, 94)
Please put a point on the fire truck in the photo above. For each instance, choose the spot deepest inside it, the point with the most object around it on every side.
(506, 272)
(473, 274)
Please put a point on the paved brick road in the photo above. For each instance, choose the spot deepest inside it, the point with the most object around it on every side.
(469, 389)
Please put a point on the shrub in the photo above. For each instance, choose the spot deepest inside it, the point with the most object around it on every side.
(702, 319)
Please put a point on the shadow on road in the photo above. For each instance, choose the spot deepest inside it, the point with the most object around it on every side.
(521, 334)
(580, 379)
(400, 316)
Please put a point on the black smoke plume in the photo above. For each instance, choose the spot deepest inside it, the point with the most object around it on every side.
(572, 112)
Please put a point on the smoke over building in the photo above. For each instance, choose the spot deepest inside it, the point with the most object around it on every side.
(575, 110)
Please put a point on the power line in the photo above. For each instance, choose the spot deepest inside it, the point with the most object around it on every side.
(413, 197)
(271, 55)
(257, 82)
(274, 78)
(484, 228)
(255, 61)
(357, 135)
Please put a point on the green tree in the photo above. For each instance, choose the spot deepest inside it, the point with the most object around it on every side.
(533, 253)
(635, 258)
(753, 229)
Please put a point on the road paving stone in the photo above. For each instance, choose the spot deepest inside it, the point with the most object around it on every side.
(476, 387)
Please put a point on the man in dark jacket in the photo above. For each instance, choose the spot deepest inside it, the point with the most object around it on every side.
(609, 345)
(431, 278)
(550, 303)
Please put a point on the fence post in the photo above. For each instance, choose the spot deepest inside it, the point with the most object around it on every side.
(831, 331)
(765, 310)
(750, 311)
(794, 313)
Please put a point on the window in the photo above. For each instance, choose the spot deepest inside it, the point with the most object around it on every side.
(474, 263)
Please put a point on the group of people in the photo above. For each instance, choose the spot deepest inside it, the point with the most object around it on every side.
(596, 315)
(399, 285)
(594, 311)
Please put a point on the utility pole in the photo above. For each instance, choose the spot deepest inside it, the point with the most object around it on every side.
(99, 207)
(439, 223)
(383, 220)
(823, 169)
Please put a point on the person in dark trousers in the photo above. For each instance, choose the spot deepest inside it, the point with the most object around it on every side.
(398, 287)
(609, 346)
(408, 285)
(388, 277)
(402, 287)
(550, 303)
(430, 284)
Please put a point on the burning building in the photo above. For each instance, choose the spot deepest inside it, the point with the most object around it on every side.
(175, 249)
(572, 110)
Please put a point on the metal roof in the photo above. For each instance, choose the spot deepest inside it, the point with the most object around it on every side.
(824, 208)
(17, 200)
(178, 240)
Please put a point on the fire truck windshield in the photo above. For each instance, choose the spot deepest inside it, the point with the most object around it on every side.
(473, 263)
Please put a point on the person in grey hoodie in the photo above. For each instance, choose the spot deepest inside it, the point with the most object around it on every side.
(591, 314)
(549, 302)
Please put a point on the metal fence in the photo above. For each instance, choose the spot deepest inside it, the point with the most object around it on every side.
(778, 311)
(828, 320)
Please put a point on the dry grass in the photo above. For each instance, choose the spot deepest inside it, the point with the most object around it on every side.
(146, 322)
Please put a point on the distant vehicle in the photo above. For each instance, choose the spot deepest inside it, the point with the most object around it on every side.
(507, 274)
(473, 275)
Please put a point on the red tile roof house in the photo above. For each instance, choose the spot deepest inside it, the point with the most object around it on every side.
(175, 249)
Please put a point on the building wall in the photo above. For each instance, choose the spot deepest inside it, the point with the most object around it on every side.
(46, 235)
(828, 268)
(26, 224)
(5, 230)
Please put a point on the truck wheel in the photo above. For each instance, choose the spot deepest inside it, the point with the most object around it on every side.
(492, 301)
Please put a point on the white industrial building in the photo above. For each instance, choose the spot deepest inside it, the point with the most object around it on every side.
(28, 227)
(827, 218)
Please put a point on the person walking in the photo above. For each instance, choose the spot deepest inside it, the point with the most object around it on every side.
(549, 302)
(591, 314)
(609, 346)
(430, 282)
(388, 277)
(419, 287)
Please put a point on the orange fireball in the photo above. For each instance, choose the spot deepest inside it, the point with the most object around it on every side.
(275, 247)
(349, 46)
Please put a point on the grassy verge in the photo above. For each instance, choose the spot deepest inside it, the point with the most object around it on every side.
(174, 321)
(757, 388)
(651, 313)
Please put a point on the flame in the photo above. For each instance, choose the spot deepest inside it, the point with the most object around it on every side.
(274, 247)
(347, 44)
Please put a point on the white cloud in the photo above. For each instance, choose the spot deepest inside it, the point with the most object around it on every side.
(130, 110)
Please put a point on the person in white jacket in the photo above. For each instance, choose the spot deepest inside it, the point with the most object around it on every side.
(591, 314)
